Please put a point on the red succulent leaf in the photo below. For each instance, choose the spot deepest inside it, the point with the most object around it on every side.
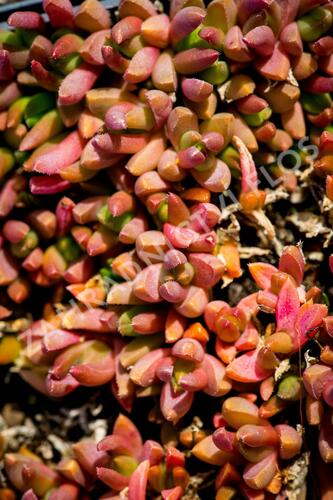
(52, 184)
(174, 458)
(60, 13)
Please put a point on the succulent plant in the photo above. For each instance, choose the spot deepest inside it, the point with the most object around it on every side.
(137, 149)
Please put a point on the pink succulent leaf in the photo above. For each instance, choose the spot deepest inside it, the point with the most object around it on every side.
(172, 494)
(308, 318)
(152, 451)
(292, 262)
(115, 444)
(125, 428)
(76, 84)
(249, 338)
(95, 373)
(62, 155)
(138, 482)
(56, 340)
(247, 166)
(175, 405)
(287, 307)
(65, 492)
(86, 453)
(29, 495)
(112, 478)
(249, 305)
(246, 368)
(60, 388)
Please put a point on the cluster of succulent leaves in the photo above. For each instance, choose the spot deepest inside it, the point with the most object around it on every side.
(145, 156)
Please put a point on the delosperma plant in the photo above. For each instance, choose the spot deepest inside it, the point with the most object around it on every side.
(144, 156)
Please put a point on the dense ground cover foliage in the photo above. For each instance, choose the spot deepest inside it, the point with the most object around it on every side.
(166, 195)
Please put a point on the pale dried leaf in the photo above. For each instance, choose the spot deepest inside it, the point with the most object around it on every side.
(294, 477)
(309, 359)
(248, 252)
(291, 79)
(283, 368)
(312, 225)
(222, 90)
